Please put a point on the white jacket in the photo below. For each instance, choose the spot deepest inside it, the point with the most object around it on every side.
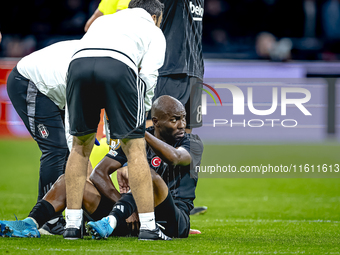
(47, 69)
(132, 37)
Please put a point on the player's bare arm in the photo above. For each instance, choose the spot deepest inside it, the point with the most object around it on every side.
(170, 155)
(101, 179)
(94, 16)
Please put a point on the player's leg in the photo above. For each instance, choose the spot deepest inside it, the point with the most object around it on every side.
(185, 89)
(52, 204)
(194, 119)
(193, 105)
(44, 121)
(50, 136)
(174, 221)
(84, 105)
(172, 215)
(75, 179)
(139, 174)
(160, 189)
(55, 201)
(116, 221)
(126, 113)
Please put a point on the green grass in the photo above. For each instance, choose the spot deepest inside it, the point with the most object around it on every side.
(245, 215)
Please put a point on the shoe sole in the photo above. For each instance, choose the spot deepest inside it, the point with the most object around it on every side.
(8, 232)
(45, 232)
(72, 238)
(200, 210)
(93, 232)
(154, 239)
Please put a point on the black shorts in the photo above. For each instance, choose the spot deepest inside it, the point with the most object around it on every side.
(188, 90)
(172, 216)
(94, 83)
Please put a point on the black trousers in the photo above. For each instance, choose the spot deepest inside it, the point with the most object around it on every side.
(170, 214)
(45, 122)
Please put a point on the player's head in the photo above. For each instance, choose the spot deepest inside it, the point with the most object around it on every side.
(168, 117)
(153, 7)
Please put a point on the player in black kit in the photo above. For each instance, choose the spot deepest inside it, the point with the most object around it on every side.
(172, 156)
(181, 76)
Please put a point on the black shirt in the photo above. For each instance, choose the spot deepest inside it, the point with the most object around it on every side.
(182, 28)
(181, 180)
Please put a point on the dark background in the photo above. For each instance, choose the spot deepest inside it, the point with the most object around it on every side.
(231, 28)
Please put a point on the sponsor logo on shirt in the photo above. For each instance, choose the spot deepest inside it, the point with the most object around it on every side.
(197, 10)
(113, 153)
(114, 144)
(156, 161)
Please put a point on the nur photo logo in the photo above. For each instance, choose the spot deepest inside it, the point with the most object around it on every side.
(244, 101)
(204, 97)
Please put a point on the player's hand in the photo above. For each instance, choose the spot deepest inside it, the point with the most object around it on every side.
(133, 223)
(123, 179)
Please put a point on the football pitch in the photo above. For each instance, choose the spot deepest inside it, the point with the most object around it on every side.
(274, 215)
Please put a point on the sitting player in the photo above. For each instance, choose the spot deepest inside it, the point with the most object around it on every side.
(173, 154)
(170, 153)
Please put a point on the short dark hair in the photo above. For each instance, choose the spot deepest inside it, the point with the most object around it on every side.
(153, 7)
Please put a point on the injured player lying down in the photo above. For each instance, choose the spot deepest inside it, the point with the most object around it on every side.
(172, 155)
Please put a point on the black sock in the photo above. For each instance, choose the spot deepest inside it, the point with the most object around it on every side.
(42, 212)
(123, 209)
(103, 209)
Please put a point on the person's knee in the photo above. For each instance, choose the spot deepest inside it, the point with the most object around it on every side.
(60, 182)
(133, 143)
(134, 148)
(156, 178)
(160, 189)
(83, 144)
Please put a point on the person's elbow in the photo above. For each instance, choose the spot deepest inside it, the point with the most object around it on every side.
(178, 158)
(96, 176)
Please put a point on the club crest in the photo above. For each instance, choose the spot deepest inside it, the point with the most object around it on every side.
(43, 131)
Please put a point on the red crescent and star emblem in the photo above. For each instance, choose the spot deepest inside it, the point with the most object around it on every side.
(156, 161)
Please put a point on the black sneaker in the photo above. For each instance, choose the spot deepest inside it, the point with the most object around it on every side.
(73, 233)
(150, 235)
(57, 228)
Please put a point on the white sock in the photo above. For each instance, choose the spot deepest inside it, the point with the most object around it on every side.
(112, 221)
(147, 220)
(73, 217)
(53, 220)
